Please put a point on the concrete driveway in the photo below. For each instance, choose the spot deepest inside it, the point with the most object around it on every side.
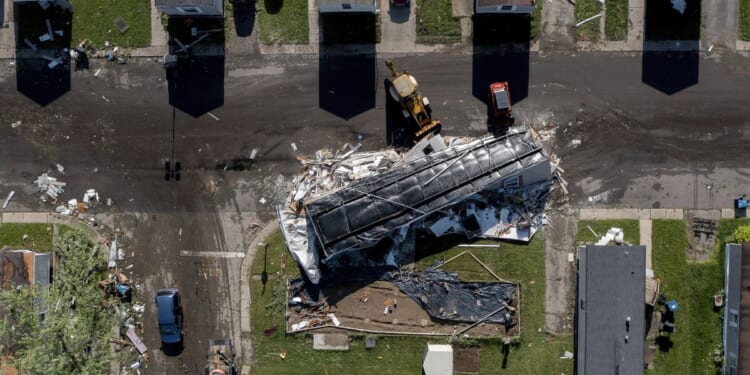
(398, 27)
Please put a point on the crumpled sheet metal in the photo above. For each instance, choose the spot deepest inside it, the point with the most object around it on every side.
(363, 213)
(437, 291)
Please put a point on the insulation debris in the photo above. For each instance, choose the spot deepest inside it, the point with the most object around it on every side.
(50, 186)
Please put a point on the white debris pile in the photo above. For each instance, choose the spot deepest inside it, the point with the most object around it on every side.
(50, 186)
(91, 196)
(613, 234)
(329, 171)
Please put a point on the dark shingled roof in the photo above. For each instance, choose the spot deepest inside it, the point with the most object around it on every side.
(611, 288)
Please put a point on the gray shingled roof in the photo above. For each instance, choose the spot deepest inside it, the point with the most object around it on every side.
(611, 288)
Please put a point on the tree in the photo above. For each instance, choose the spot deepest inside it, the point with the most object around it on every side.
(73, 337)
(742, 234)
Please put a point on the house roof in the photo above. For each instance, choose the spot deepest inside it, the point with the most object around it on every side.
(23, 267)
(504, 6)
(736, 331)
(347, 6)
(611, 289)
(217, 5)
(362, 214)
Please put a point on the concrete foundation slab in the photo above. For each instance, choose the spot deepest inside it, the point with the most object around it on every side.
(331, 341)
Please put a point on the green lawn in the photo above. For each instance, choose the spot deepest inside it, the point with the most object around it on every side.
(584, 9)
(536, 20)
(435, 22)
(744, 33)
(93, 20)
(630, 227)
(40, 236)
(693, 286)
(536, 353)
(616, 20)
(282, 22)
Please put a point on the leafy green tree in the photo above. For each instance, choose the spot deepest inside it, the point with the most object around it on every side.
(742, 234)
(73, 337)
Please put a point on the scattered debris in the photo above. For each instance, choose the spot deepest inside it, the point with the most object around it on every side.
(566, 355)
(613, 234)
(50, 187)
(591, 19)
(7, 200)
(15, 124)
(121, 25)
(137, 341)
(212, 116)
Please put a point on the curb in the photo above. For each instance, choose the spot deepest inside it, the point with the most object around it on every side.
(246, 344)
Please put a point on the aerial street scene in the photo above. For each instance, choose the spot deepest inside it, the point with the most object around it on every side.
(233, 187)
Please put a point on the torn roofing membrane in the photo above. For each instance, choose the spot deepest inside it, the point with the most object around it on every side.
(444, 296)
(360, 215)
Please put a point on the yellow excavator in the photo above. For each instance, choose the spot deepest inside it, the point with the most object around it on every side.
(404, 90)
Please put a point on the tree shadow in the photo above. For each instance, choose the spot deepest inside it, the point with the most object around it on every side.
(671, 46)
(43, 58)
(244, 18)
(273, 6)
(664, 343)
(346, 64)
(501, 53)
(196, 78)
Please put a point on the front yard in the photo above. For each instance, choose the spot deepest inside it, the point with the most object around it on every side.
(94, 20)
(692, 285)
(435, 22)
(282, 22)
(535, 353)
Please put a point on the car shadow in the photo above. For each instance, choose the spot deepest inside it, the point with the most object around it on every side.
(244, 18)
(173, 350)
(196, 79)
(501, 53)
(346, 64)
(671, 46)
(42, 59)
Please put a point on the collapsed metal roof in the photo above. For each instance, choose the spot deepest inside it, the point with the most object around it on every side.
(360, 215)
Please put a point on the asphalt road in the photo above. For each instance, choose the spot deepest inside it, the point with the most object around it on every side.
(639, 147)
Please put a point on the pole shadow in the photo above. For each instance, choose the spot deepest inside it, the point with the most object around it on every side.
(195, 64)
(501, 53)
(244, 18)
(671, 46)
(42, 50)
(346, 63)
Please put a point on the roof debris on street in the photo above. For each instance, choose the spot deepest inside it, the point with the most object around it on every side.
(50, 186)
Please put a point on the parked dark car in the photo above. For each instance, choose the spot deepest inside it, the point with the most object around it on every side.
(169, 315)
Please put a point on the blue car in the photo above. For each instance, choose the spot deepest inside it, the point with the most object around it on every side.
(169, 314)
